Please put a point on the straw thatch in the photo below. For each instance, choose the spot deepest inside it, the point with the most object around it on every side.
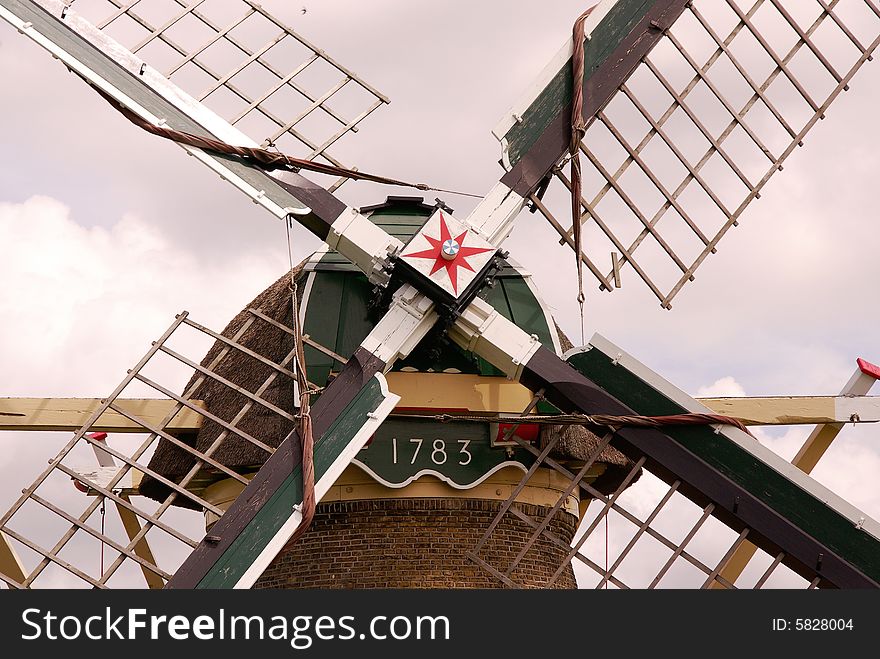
(575, 443)
(226, 403)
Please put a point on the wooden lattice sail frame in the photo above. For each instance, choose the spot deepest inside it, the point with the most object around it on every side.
(244, 541)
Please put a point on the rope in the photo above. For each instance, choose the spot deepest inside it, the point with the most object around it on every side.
(612, 421)
(578, 130)
(263, 158)
(307, 440)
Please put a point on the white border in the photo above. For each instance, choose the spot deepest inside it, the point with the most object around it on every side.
(153, 81)
(539, 84)
(431, 472)
(323, 485)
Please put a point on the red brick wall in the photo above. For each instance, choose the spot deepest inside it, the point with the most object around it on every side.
(418, 543)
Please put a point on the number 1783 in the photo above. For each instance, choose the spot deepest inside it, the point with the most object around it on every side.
(437, 451)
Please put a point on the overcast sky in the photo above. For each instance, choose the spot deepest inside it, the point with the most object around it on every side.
(108, 232)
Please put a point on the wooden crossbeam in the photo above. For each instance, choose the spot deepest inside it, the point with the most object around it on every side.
(69, 414)
(427, 390)
(809, 455)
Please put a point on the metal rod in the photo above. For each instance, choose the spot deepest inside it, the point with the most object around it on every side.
(605, 285)
(101, 537)
(610, 235)
(641, 530)
(707, 512)
(92, 420)
(608, 506)
(560, 502)
(50, 557)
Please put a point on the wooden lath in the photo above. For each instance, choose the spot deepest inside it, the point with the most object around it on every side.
(121, 466)
(262, 42)
(665, 245)
(68, 414)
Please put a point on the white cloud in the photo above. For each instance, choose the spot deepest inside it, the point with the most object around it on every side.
(722, 387)
(82, 304)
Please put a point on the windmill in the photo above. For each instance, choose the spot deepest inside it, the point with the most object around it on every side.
(438, 278)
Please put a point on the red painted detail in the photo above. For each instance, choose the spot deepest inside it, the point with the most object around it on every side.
(98, 436)
(868, 368)
(80, 486)
(528, 432)
(451, 265)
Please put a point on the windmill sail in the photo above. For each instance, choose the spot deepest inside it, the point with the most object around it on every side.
(259, 522)
(691, 107)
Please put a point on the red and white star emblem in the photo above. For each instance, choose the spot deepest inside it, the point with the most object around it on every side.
(448, 252)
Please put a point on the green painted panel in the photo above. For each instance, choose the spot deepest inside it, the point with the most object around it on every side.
(525, 310)
(321, 322)
(770, 486)
(460, 452)
(354, 321)
(254, 538)
(612, 29)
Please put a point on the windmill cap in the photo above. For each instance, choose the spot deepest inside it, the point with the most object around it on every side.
(868, 368)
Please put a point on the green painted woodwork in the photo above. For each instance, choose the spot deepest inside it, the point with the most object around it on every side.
(461, 451)
(338, 315)
(773, 488)
(265, 525)
(556, 97)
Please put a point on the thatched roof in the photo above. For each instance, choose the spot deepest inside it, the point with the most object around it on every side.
(225, 403)
(576, 443)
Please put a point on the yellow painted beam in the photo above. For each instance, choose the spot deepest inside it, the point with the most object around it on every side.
(132, 527)
(10, 563)
(847, 408)
(446, 391)
(70, 414)
(453, 391)
(797, 410)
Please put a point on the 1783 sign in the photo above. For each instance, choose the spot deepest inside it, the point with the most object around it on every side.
(459, 452)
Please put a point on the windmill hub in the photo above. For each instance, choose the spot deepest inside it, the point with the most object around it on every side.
(450, 249)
